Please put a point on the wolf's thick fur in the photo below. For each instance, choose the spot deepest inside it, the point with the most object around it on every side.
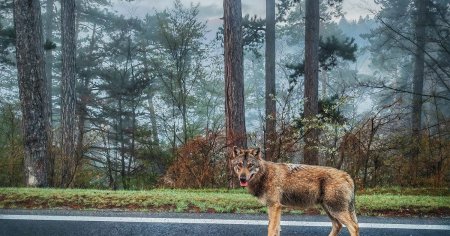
(294, 185)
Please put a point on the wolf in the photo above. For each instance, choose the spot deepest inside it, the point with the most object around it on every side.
(295, 185)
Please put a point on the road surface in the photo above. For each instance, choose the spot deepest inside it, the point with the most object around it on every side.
(111, 223)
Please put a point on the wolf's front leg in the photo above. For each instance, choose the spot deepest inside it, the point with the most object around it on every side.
(274, 220)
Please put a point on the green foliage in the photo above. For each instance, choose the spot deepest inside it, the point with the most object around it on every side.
(11, 148)
(125, 65)
(283, 7)
(154, 162)
(329, 112)
(253, 33)
(49, 45)
(332, 48)
(7, 40)
(330, 51)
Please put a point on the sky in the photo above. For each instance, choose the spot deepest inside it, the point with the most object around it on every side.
(212, 10)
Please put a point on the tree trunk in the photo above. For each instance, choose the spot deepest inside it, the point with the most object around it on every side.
(184, 113)
(155, 139)
(154, 127)
(82, 110)
(234, 79)
(133, 143)
(123, 173)
(33, 91)
(270, 136)
(68, 91)
(111, 182)
(49, 53)
(49, 15)
(419, 61)
(311, 107)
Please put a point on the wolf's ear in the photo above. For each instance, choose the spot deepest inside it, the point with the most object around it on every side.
(236, 151)
(257, 153)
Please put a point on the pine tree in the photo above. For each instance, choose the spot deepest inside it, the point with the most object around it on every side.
(270, 135)
(68, 95)
(234, 78)
(33, 91)
(311, 107)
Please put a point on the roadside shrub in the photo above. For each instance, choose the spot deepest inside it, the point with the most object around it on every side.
(199, 163)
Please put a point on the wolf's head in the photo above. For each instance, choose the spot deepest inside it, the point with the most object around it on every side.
(246, 163)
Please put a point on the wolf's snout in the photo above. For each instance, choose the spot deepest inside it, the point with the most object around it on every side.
(243, 181)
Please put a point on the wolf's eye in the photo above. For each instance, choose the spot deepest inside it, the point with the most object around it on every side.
(239, 165)
(250, 165)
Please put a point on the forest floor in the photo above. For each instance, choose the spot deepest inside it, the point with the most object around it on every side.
(421, 202)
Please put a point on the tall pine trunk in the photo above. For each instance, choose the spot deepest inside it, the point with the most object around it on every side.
(419, 62)
(33, 91)
(234, 79)
(311, 107)
(68, 96)
(270, 136)
(49, 53)
(49, 15)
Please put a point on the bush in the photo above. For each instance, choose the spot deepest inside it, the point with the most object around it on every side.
(199, 163)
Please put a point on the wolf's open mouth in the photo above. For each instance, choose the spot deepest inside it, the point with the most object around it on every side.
(244, 183)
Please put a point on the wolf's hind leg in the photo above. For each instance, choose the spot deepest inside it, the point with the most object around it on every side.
(346, 218)
(336, 225)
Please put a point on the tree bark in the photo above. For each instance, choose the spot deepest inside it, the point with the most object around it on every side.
(68, 96)
(234, 78)
(49, 53)
(82, 104)
(311, 107)
(48, 69)
(154, 127)
(270, 136)
(123, 172)
(419, 61)
(33, 91)
(109, 165)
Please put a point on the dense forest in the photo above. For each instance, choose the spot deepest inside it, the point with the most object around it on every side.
(93, 98)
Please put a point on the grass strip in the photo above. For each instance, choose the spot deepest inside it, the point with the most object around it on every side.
(369, 202)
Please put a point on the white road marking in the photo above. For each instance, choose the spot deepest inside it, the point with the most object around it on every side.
(214, 221)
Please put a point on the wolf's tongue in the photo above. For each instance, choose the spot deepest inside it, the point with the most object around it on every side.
(243, 184)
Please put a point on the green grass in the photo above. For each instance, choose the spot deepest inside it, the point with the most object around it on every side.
(369, 202)
(406, 191)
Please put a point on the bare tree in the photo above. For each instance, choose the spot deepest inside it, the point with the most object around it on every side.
(311, 107)
(234, 78)
(33, 91)
(270, 135)
(68, 96)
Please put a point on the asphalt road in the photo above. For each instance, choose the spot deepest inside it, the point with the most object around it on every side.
(60, 222)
